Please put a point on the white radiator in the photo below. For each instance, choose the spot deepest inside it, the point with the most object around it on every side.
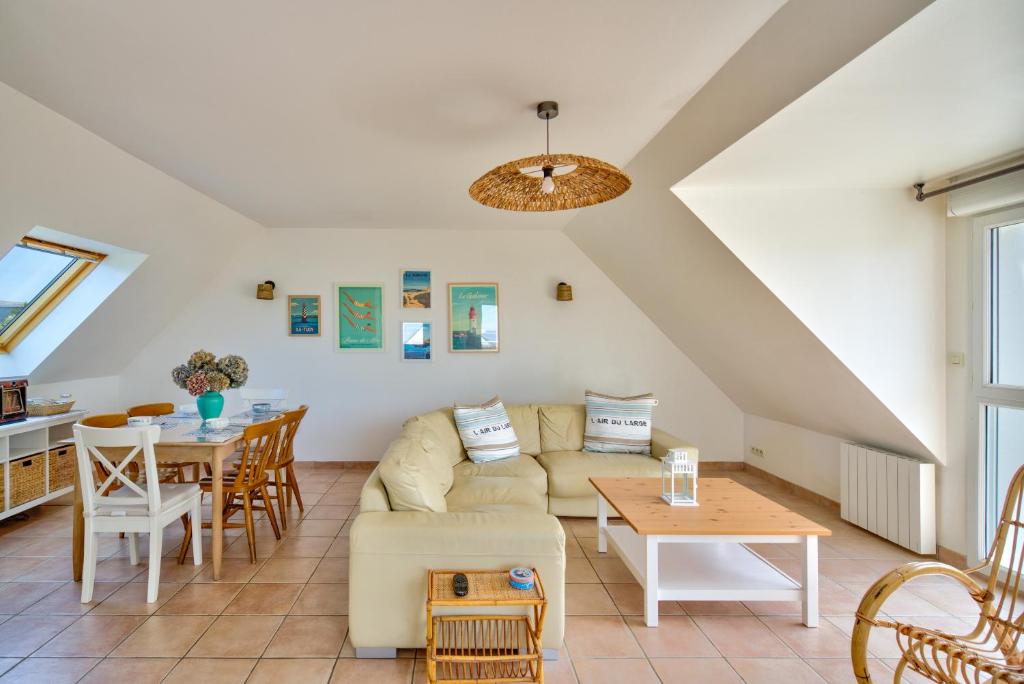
(890, 495)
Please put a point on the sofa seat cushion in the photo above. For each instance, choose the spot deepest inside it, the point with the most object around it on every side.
(484, 493)
(523, 467)
(569, 471)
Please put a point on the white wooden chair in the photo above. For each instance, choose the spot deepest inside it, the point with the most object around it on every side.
(119, 504)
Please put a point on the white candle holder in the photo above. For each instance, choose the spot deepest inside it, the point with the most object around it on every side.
(679, 479)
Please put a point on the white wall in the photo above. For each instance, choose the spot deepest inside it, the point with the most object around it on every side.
(811, 459)
(551, 351)
(58, 175)
(95, 395)
(864, 270)
(804, 457)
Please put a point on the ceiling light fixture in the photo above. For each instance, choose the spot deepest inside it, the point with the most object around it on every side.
(549, 182)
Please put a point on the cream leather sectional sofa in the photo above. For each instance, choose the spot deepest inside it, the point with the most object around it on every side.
(427, 506)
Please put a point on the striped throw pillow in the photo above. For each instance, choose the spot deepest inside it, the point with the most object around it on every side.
(619, 425)
(486, 431)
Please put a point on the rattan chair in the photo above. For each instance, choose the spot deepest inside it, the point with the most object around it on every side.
(284, 482)
(992, 651)
(249, 483)
(170, 472)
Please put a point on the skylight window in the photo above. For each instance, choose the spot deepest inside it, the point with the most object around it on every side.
(35, 276)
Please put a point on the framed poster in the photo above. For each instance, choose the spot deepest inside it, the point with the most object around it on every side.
(359, 312)
(416, 341)
(473, 317)
(304, 315)
(415, 289)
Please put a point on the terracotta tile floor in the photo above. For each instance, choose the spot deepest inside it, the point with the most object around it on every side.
(284, 619)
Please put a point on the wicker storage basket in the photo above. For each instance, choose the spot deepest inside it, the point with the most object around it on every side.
(61, 463)
(41, 408)
(2, 499)
(28, 478)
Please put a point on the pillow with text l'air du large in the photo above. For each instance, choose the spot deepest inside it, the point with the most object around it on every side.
(486, 431)
(618, 424)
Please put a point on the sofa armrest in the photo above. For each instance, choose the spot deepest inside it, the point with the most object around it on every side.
(390, 553)
(374, 496)
(662, 441)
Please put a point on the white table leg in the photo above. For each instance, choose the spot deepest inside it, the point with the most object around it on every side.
(602, 524)
(651, 581)
(809, 581)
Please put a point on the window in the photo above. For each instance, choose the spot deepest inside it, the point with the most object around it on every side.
(999, 381)
(34, 277)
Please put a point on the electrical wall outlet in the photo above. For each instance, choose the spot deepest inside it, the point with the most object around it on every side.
(757, 451)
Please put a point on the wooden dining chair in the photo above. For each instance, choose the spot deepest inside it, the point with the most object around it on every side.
(993, 650)
(284, 481)
(130, 507)
(105, 420)
(248, 483)
(170, 472)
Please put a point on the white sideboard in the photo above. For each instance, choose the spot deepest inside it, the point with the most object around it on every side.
(36, 442)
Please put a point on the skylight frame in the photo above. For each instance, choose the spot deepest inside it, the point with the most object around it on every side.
(47, 299)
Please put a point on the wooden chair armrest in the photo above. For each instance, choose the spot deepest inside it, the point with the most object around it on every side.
(876, 595)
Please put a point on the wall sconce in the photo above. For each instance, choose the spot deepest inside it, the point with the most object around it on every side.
(563, 292)
(265, 290)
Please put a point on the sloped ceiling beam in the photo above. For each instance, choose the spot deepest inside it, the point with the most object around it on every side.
(718, 312)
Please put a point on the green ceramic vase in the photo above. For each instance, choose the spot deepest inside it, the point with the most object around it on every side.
(210, 404)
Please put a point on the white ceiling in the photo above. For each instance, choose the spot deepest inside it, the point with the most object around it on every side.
(369, 114)
(943, 93)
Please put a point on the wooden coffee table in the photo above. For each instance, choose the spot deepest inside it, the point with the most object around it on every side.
(698, 553)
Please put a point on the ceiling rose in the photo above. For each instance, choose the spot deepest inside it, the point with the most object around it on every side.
(549, 182)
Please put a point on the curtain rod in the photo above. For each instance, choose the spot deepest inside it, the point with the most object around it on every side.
(922, 196)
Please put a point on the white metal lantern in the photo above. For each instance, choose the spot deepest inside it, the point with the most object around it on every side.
(679, 479)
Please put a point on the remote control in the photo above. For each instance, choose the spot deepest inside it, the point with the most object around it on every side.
(460, 585)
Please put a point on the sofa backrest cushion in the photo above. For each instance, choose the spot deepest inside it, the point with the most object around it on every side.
(526, 423)
(442, 425)
(412, 476)
(561, 427)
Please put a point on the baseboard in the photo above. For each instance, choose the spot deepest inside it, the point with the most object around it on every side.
(336, 465)
(950, 557)
(795, 489)
(732, 466)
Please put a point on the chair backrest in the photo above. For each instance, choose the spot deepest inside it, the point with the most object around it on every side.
(277, 398)
(115, 449)
(259, 447)
(289, 427)
(1006, 615)
(161, 409)
(105, 420)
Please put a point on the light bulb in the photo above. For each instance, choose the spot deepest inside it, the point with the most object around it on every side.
(547, 186)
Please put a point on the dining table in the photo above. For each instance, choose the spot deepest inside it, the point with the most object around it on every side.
(184, 438)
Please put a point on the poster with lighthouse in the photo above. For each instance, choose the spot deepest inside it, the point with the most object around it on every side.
(473, 317)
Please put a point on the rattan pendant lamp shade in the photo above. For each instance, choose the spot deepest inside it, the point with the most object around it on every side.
(549, 182)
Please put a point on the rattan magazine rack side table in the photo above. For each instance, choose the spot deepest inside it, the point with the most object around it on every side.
(493, 647)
